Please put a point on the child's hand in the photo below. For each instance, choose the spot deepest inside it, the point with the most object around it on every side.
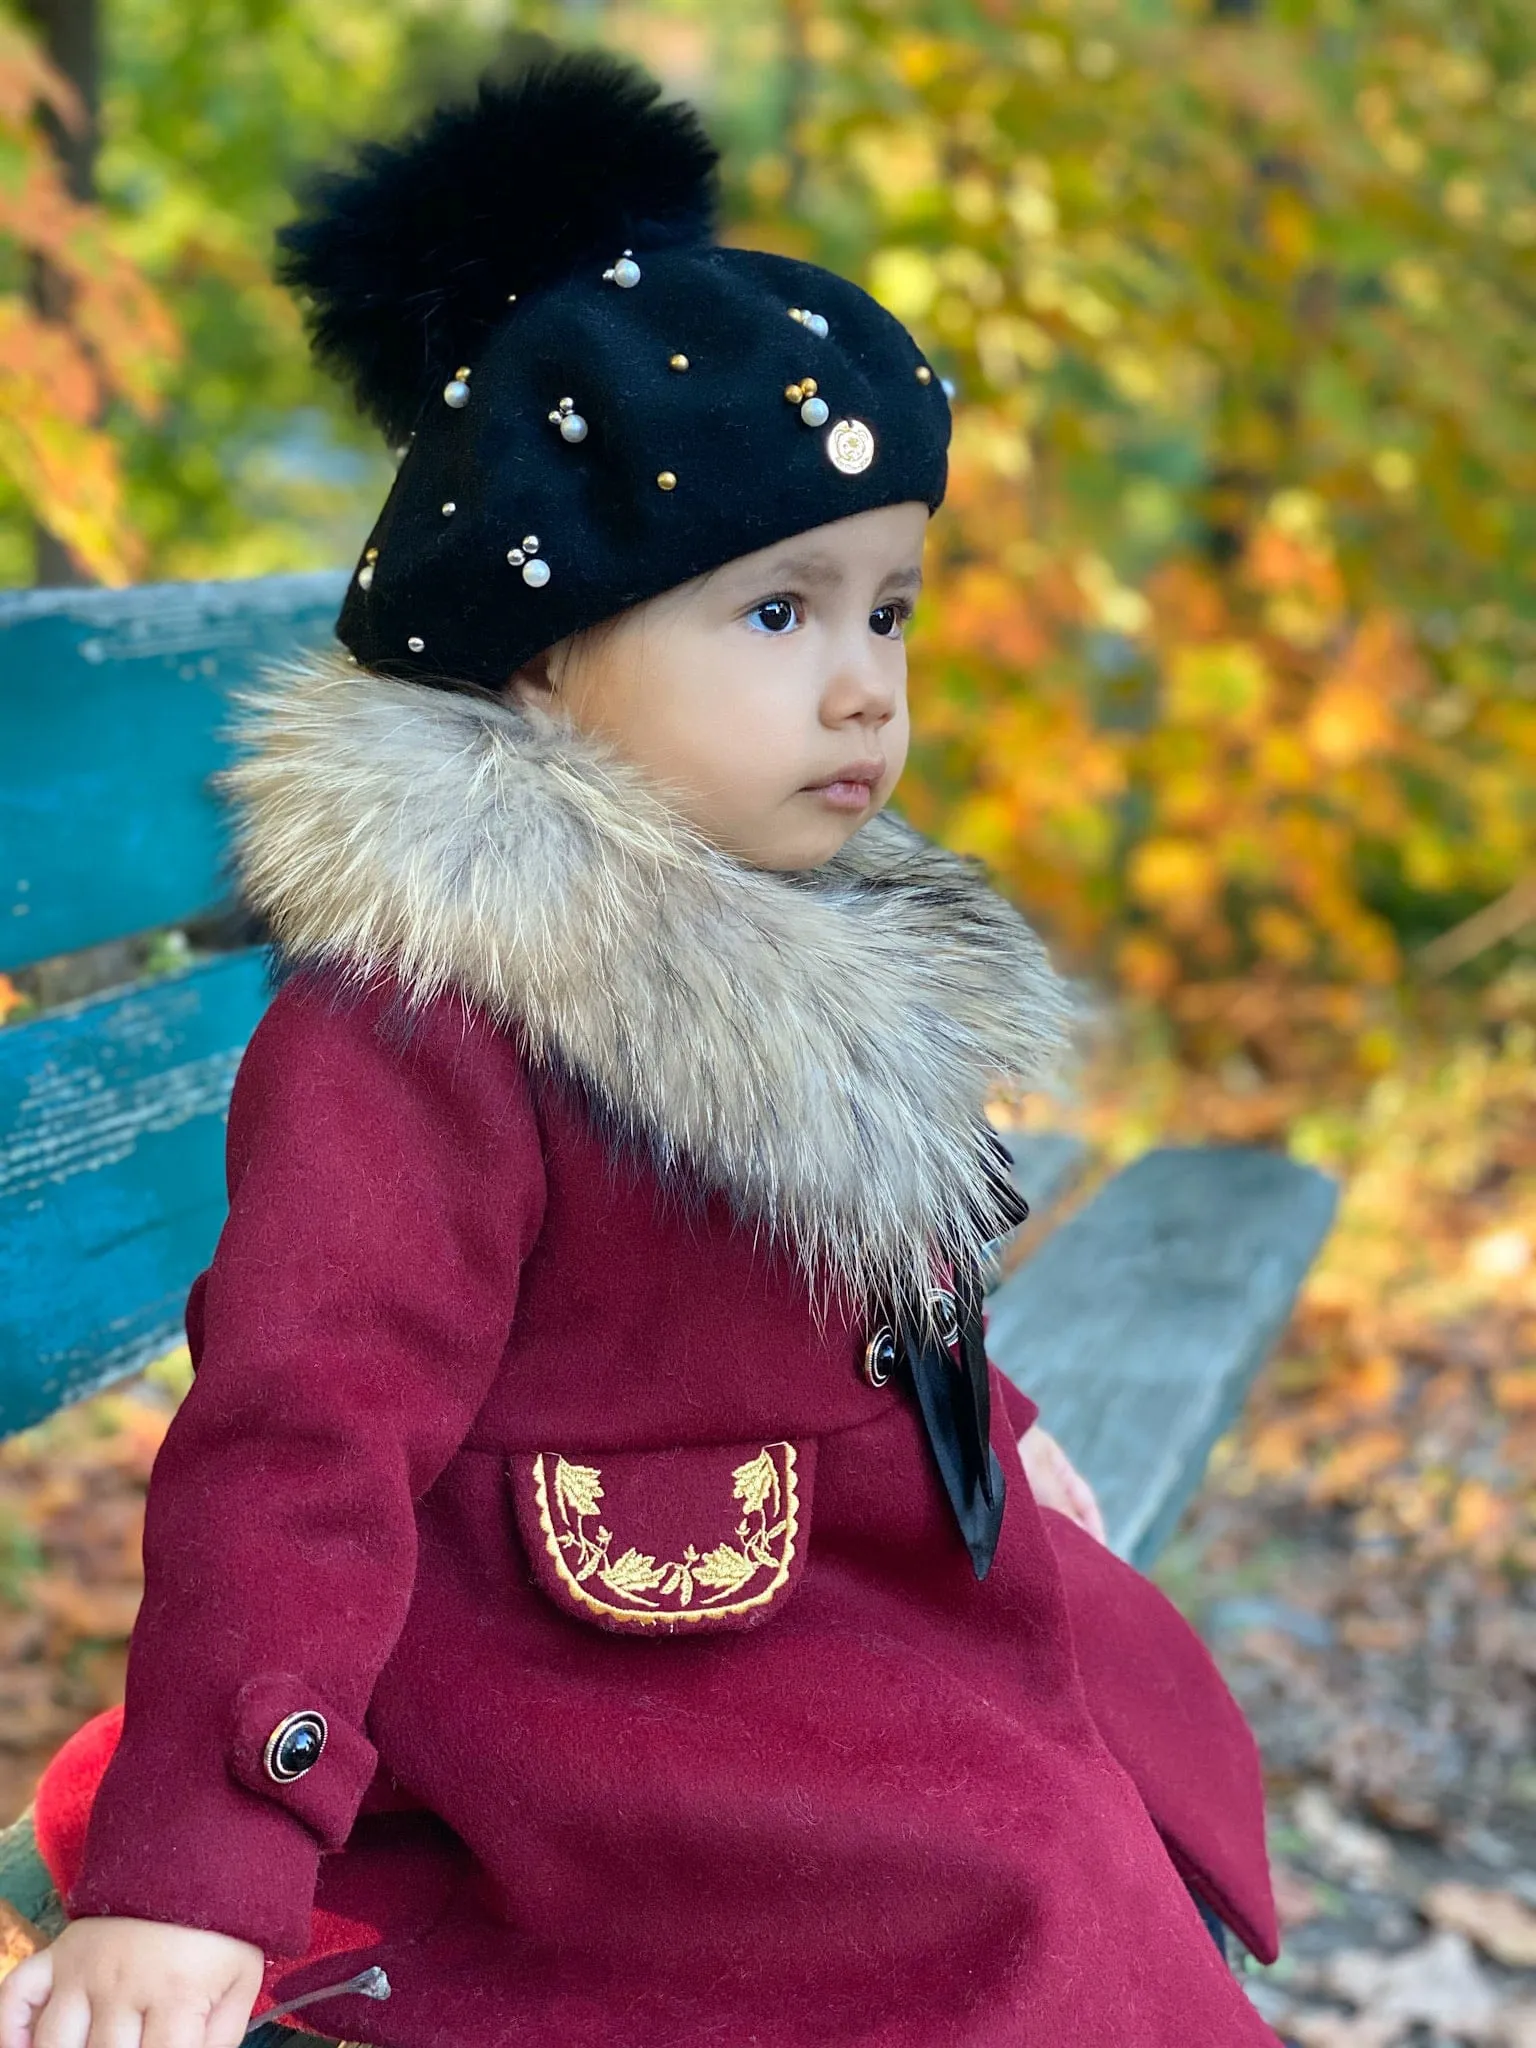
(1054, 1481)
(114, 1982)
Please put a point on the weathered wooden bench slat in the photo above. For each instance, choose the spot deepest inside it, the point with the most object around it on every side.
(1046, 1166)
(111, 705)
(112, 1176)
(1139, 1324)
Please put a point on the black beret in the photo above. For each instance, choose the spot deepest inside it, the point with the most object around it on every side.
(597, 400)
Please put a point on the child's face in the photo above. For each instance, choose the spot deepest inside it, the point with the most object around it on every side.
(741, 689)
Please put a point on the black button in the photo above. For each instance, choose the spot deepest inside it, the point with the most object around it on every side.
(880, 1356)
(294, 1746)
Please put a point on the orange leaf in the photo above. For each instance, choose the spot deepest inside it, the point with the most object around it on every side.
(1357, 1460)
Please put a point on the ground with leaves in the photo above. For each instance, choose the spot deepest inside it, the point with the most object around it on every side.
(1361, 1557)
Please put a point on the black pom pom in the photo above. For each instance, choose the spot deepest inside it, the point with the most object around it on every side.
(407, 257)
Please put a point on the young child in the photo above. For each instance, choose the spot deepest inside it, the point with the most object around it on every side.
(593, 1575)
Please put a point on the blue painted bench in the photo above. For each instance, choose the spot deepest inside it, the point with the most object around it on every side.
(1137, 1325)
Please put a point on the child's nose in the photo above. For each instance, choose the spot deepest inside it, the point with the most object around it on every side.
(864, 679)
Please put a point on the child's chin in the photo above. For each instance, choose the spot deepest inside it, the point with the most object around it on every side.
(810, 845)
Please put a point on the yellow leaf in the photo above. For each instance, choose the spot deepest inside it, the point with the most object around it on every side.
(1174, 874)
(1226, 683)
(1148, 966)
(1282, 934)
(904, 280)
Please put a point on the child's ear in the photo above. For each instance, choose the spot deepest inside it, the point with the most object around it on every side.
(534, 682)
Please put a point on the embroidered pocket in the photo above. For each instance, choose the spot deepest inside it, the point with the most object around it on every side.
(668, 1542)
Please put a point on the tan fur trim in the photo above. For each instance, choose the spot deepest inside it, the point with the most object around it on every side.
(818, 1043)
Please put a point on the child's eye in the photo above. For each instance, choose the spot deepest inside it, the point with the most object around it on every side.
(780, 609)
(896, 615)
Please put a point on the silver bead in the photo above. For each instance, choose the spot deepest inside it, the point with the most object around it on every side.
(573, 427)
(365, 576)
(456, 393)
(536, 572)
(814, 412)
(416, 643)
(449, 509)
(531, 543)
(514, 556)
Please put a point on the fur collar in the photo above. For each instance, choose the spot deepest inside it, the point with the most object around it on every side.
(819, 1045)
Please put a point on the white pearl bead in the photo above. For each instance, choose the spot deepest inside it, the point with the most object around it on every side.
(814, 412)
(626, 272)
(456, 393)
(536, 573)
(573, 427)
(817, 323)
(365, 576)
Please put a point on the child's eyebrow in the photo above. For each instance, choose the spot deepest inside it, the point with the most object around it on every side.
(824, 570)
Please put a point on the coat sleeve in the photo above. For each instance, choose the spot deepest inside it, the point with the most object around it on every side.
(386, 1183)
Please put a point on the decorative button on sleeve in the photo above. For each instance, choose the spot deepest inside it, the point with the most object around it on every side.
(294, 1746)
(308, 1757)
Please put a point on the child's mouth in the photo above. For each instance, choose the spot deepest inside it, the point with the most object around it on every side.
(843, 796)
(850, 789)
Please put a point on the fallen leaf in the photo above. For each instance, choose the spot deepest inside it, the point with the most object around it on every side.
(100, 1613)
(1502, 1926)
(1438, 1984)
(1334, 2030)
(1295, 1899)
(1348, 1850)
(18, 1938)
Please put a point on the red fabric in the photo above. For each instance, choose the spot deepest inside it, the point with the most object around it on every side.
(1021, 1411)
(1160, 1704)
(882, 1815)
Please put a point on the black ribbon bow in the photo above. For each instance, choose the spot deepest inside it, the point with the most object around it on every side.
(954, 1393)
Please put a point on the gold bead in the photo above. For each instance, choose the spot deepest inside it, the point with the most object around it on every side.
(462, 370)
(794, 393)
(678, 362)
(924, 374)
(667, 480)
(808, 387)
(372, 555)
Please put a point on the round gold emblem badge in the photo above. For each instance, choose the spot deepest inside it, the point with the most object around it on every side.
(850, 446)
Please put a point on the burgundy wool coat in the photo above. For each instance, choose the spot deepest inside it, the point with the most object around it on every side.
(531, 1446)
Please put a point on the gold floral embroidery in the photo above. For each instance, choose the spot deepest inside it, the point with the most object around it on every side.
(699, 1583)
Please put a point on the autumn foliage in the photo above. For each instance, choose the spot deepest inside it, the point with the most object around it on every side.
(1227, 665)
(109, 337)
